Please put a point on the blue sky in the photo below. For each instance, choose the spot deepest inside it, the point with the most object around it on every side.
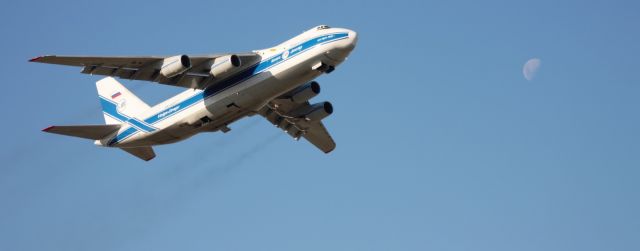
(442, 143)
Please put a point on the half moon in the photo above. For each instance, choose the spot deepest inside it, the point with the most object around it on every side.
(530, 68)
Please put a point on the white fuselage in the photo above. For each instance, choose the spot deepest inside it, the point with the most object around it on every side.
(281, 69)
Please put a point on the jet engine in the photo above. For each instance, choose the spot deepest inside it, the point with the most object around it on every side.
(315, 112)
(173, 66)
(305, 92)
(222, 66)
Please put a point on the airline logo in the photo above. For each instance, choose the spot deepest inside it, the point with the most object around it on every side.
(115, 95)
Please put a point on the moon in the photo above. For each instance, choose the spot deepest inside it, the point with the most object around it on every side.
(530, 68)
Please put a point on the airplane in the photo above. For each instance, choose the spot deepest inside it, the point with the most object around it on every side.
(276, 83)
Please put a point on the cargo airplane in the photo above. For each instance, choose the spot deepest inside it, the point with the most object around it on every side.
(276, 83)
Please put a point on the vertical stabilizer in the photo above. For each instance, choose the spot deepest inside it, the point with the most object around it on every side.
(118, 103)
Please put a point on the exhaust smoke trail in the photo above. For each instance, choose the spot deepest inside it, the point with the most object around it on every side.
(200, 179)
(237, 161)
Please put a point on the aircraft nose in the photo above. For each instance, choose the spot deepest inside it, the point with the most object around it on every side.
(340, 50)
(353, 37)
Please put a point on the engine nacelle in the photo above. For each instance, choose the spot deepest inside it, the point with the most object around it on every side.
(173, 66)
(222, 66)
(305, 92)
(315, 112)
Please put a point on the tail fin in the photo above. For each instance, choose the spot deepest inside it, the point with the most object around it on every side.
(118, 103)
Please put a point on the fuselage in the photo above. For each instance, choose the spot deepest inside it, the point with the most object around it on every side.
(279, 70)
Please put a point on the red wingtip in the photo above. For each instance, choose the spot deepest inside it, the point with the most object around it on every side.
(35, 59)
(47, 129)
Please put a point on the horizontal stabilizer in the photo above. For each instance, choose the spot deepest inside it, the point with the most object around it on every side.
(145, 152)
(84, 131)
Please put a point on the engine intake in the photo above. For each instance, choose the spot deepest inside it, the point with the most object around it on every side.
(222, 66)
(305, 92)
(173, 66)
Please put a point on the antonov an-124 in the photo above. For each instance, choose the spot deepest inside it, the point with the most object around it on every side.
(276, 83)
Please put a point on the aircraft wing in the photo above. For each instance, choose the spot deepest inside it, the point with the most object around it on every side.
(313, 131)
(147, 68)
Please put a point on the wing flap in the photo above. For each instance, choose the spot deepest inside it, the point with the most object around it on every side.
(94, 132)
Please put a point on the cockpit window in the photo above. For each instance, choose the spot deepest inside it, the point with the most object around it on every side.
(322, 27)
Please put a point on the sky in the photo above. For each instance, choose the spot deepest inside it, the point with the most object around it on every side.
(442, 143)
